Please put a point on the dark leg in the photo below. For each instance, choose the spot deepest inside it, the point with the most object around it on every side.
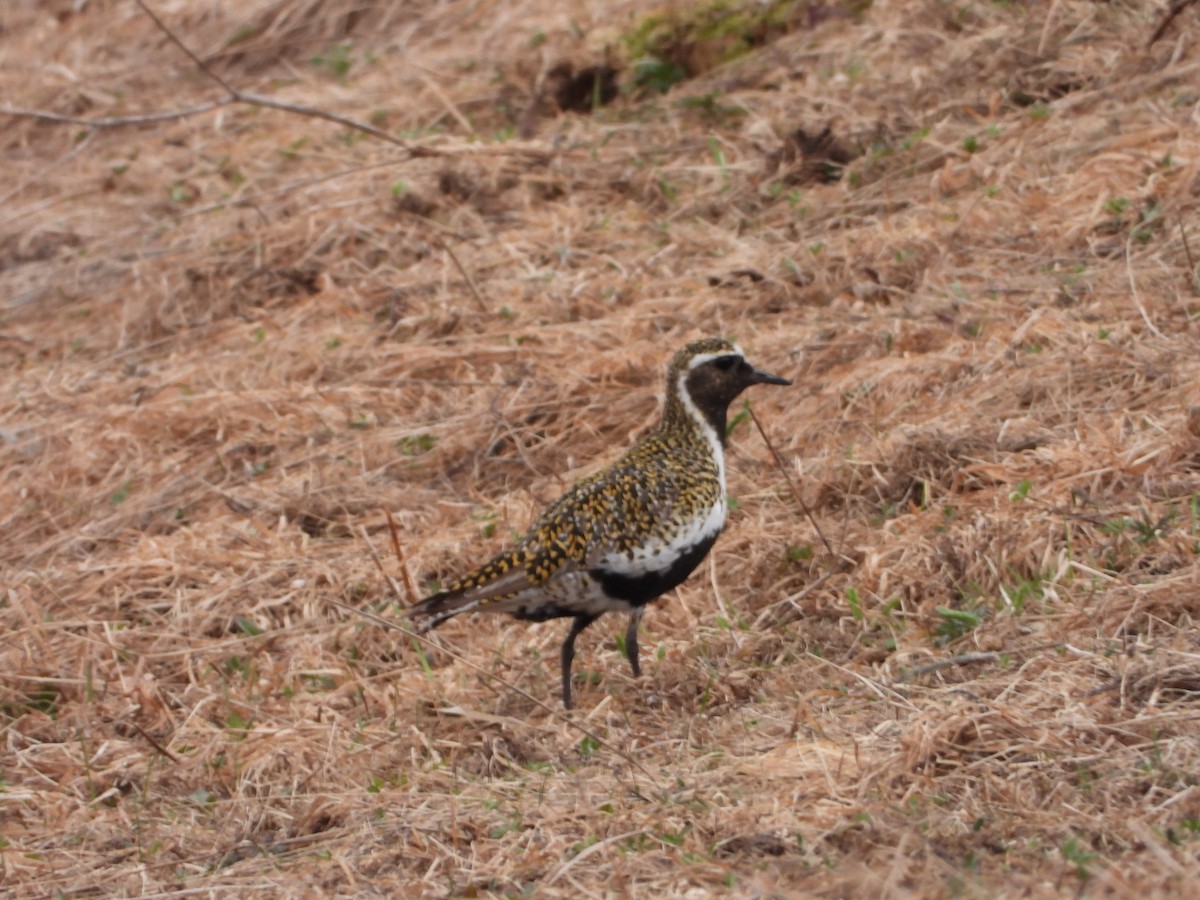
(568, 654)
(631, 640)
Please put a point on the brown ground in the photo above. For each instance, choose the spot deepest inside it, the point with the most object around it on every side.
(229, 341)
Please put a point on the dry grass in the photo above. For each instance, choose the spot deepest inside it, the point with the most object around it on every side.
(230, 340)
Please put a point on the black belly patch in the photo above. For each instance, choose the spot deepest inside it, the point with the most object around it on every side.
(641, 589)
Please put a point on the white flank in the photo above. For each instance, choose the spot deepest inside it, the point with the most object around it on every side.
(659, 555)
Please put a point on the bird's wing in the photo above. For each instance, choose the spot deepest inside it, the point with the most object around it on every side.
(605, 514)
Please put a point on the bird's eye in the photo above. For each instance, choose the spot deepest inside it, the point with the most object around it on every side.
(725, 363)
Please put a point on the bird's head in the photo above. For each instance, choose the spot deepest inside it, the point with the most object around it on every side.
(708, 375)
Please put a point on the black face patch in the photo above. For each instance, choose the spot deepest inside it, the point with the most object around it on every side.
(713, 385)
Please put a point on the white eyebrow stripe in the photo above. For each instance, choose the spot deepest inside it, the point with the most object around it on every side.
(702, 358)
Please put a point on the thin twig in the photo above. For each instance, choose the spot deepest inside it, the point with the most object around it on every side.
(465, 274)
(1176, 8)
(117, 121)
(967, 659)
(314, 112)
(408, 579)
(257, 100)
(156, 745)
(791, 484)
(1193, 276)
(379, 564)
(200, 64)
(234, 95)
(964, 659)
(559, 714)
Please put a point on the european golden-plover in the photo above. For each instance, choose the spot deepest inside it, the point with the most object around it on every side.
(628, 534)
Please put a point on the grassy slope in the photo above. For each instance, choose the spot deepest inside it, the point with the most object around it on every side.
(228, 341)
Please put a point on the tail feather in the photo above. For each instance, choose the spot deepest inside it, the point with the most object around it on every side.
(497, 586)
(433, 611)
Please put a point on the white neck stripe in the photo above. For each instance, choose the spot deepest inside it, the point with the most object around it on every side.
(706, 429)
